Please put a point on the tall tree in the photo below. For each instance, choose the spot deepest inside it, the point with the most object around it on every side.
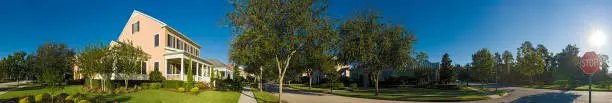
(446, 70)
(530, 63)
(422, 71)
(498, 66)
(508, 63)
(375, 45)
(569, 64)
(16, 65)
(129, 59)
(92, 60)
(56, 62)
(280, 25)
(482, 63)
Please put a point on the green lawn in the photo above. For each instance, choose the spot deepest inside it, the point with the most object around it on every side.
(405, 94)
(146, 96)
(265, 97)
(39, 90)
(162, 96)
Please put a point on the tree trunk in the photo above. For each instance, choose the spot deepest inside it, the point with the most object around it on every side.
(126, 82)
(90, 82)
(260, 79)
(331, 87)
(309, 81)
(280, 89)
(376, 84)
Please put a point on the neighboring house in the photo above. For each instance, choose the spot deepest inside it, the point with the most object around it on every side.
(169, 50)
(221, 69)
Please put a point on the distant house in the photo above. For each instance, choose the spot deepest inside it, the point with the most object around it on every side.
(361, 74)
(221, 69)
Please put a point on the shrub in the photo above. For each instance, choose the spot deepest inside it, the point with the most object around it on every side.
(94, 82)
(145, 85)
(202, 85)
(334, 85)
(25, 100)
(69, 98)
(41, 97)
(605, 84)
(156, 76)
(353, 86)
(195, 90)
(84, 101)
(540, 84)
(155, 85)
(562, 83)
(60, 96)
(181, 89)
(172, 83)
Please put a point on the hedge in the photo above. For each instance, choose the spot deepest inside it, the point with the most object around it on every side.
(172, 83)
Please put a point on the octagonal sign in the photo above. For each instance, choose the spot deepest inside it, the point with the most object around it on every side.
(589, 63)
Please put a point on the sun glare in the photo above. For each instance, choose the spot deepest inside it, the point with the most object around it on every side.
(597, 39)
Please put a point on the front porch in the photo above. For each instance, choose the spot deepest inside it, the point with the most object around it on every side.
(177, 62)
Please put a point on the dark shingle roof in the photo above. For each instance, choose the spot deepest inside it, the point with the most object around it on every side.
(216, 63)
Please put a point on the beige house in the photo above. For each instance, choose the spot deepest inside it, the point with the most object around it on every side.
(170, 51)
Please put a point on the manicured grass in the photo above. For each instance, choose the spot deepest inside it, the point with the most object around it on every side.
(265, 97)
(162, 96)
(404, 94)
(72, 89)
(146, 96)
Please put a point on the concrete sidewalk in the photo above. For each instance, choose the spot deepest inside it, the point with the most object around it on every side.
(247, 96)
(9, 84)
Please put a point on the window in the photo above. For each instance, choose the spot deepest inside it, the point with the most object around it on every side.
(156, 40)
(179, 44)
(170, 41)
(156, 66)
(185, 45)
(136, 27)
(170, 69)
(143, 68)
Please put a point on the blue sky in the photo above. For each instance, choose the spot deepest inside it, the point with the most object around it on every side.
(456, 27)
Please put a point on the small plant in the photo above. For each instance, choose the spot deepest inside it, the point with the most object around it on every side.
(69, 98)
(156, 76)
(181, 89)
(40, 97)
(83, 101)
(25, 100)
(195, 90)
(202, 85)
(353, 86)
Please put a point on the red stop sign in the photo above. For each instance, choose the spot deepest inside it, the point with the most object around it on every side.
(589, 62)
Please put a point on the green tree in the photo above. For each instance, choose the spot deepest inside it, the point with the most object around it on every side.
(16, 65)
(281, 26)
(375, 45)
(602, 74)
(156, 75)
(56, 62)
(189, 83)
(446, 70)
(530, 63)
(91, 60)
(482, 63)
(129, 59)
(569, 64)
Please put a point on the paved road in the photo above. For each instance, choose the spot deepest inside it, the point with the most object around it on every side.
(12, 84)
(516, 95)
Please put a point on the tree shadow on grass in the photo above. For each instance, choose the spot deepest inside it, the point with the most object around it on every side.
(561, 97)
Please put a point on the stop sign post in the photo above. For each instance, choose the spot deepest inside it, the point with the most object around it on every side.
(589, 64)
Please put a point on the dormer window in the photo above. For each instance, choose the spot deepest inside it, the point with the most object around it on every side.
(136, 27)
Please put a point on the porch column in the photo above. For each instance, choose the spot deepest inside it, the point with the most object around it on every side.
(182, 69)
(197, 71)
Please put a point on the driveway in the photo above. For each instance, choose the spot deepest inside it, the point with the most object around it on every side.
(515, 95)
(9, 84)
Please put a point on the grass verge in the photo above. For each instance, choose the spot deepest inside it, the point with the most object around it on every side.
(404, 94)
(265, 97)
